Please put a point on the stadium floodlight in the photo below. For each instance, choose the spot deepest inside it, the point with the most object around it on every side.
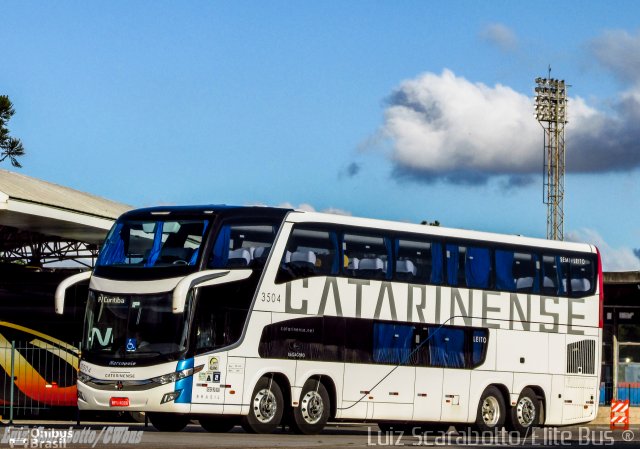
(551, 112)
(550, 100)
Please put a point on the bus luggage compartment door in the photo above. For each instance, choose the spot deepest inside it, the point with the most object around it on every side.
(455, 395)
(428, 394)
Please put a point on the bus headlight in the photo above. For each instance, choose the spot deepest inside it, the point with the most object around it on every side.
(84, 378)
(176, 375)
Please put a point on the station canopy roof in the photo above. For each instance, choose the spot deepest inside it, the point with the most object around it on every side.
(30, 206)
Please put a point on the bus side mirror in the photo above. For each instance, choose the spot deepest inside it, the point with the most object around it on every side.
(202, 279)
(64, 285)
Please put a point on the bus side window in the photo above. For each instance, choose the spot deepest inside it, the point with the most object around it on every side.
(334, 329)
(446, 347)
(582, 274)
(418, 261)
(392, 343)
(366, 256)
(455, 256)
(420, 355)
(300, 339)
(242, 246)
(525, 272)
(516, 271)
(479, 340)
(555, 272)
(310, 252)
(477, 267)
(505, 280)
(358, 344)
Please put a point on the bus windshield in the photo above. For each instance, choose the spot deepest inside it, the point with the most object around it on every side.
(127, 327)
(153, 243)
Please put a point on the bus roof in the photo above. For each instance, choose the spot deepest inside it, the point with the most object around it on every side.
(214, 209)
(298, 216)
(318, 217)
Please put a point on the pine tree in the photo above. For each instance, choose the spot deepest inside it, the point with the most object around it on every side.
(10, 147)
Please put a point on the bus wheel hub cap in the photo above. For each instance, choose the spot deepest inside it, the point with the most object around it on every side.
(490, 411)
(312, 407)
(264, 405)
(526, 412)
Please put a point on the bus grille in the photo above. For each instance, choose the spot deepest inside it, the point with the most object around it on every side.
(581, 357)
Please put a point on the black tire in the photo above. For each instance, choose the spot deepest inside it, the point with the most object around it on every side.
(267, 407)
(168, 422)
(310, 417)
(138, 417)
(525, 414)
(218, 423)
(491, 410)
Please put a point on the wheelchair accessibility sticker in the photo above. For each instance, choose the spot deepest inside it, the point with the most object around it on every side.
(131, 345)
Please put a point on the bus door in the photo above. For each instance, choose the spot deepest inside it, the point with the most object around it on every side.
(209, 384)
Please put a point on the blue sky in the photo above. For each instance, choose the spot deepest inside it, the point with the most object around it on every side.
(396, 110)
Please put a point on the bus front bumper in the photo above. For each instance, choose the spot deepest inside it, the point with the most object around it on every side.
(163, 398)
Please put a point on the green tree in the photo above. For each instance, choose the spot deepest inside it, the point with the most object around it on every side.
(10, 147)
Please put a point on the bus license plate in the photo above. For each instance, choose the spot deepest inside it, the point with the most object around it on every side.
(119, 402)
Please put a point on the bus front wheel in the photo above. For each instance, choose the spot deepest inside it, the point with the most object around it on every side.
(267, 406)
(526, 413)
(168, 422)
(491, 410)
(312, 414)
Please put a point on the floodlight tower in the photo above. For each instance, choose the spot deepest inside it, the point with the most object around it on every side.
(551, 113)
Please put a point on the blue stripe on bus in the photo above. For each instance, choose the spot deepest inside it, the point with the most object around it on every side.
(186, 384)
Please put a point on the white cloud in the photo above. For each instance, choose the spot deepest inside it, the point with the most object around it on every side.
(445, 127)
(500, 35)
(613, 259)
(444, 123)
(619, 52)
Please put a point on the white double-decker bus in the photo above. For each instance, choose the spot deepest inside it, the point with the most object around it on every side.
(265, 316)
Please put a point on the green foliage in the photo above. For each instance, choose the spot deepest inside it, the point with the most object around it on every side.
(10, 147)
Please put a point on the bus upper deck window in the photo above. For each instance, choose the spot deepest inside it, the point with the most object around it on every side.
(242, 246)
(309, 252)
(366, 256)
(418, 261)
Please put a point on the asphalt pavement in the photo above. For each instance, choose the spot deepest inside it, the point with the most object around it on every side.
(30, 434)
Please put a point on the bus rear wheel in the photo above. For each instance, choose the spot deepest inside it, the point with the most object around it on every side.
(526, 413)
(312, 414)
(267, 406)
(219, 424)
(491, 410)
(168, 422)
